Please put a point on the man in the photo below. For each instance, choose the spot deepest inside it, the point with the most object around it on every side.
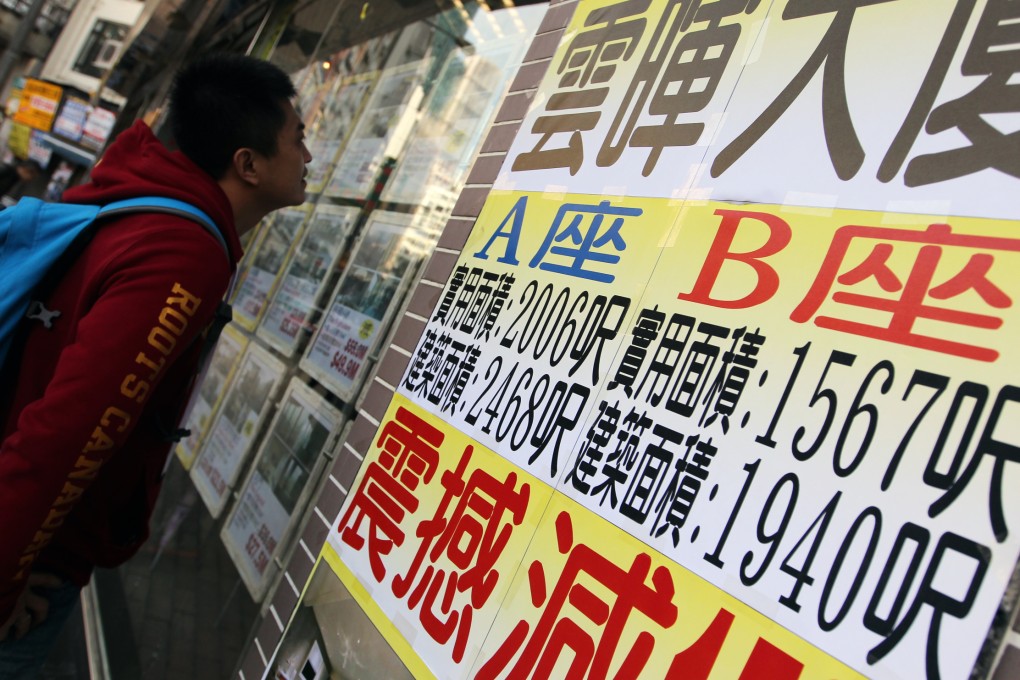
(88, 423)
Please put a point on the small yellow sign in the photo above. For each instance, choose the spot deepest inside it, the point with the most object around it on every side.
(17, 141)
(39, 103)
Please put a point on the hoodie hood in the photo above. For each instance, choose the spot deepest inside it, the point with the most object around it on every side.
(137, 164)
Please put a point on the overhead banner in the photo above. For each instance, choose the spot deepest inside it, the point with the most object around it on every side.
(741, 310)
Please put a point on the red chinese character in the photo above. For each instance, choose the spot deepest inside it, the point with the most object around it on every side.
(472, 535)
(919, 286)
(558, 630)
(408, 457)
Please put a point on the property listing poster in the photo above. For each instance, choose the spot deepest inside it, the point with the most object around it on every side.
(460, 105)
(274, 494)
(389, 249)
(288, 317)
(259, 279)
(245, 406)
(338, 117)
(206, 399)
(724, 381)
(380, 131)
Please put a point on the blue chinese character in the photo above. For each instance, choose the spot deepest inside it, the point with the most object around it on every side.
(582, 242)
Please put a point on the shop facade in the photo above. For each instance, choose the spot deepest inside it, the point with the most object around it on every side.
(660, 339)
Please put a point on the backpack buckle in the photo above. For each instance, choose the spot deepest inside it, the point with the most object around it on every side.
(38, 312)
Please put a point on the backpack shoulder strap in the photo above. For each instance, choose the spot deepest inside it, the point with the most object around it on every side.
(172, 206)
(169, 206)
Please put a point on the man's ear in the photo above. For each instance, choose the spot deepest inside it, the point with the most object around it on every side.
(244, 166)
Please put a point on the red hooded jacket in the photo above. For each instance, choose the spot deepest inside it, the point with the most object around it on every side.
(83, 446)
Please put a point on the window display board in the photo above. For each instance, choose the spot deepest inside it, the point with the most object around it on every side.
(339, 113)
(363, 302)
(436, 161)
(724, 382)
(207, 397)
(332, 92)
(245, 405)
(259, 278)
(298, 295)
(380, 132)
(277, 488)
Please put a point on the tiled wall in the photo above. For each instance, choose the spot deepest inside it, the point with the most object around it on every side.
(409, 329)
(1008, 664)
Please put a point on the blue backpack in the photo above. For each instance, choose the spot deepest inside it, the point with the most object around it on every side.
(38, 240)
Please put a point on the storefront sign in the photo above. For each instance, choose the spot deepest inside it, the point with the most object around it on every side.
(38, 149)
(70, 124)
(39, 101)
(19, 139)
(98, 127)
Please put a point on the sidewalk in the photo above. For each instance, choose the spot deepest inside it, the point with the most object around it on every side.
(176, 611)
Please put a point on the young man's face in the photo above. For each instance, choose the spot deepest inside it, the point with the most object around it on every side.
(284, 178)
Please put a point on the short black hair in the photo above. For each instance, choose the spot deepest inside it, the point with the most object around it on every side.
(224, 102)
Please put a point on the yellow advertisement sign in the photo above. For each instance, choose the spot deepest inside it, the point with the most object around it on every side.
(39, 102)
(809, 409)
(430, 542)
(814, 411)
(19, 139)
(532, 317)
(431, 534)
(896, 283)
(592, 601)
